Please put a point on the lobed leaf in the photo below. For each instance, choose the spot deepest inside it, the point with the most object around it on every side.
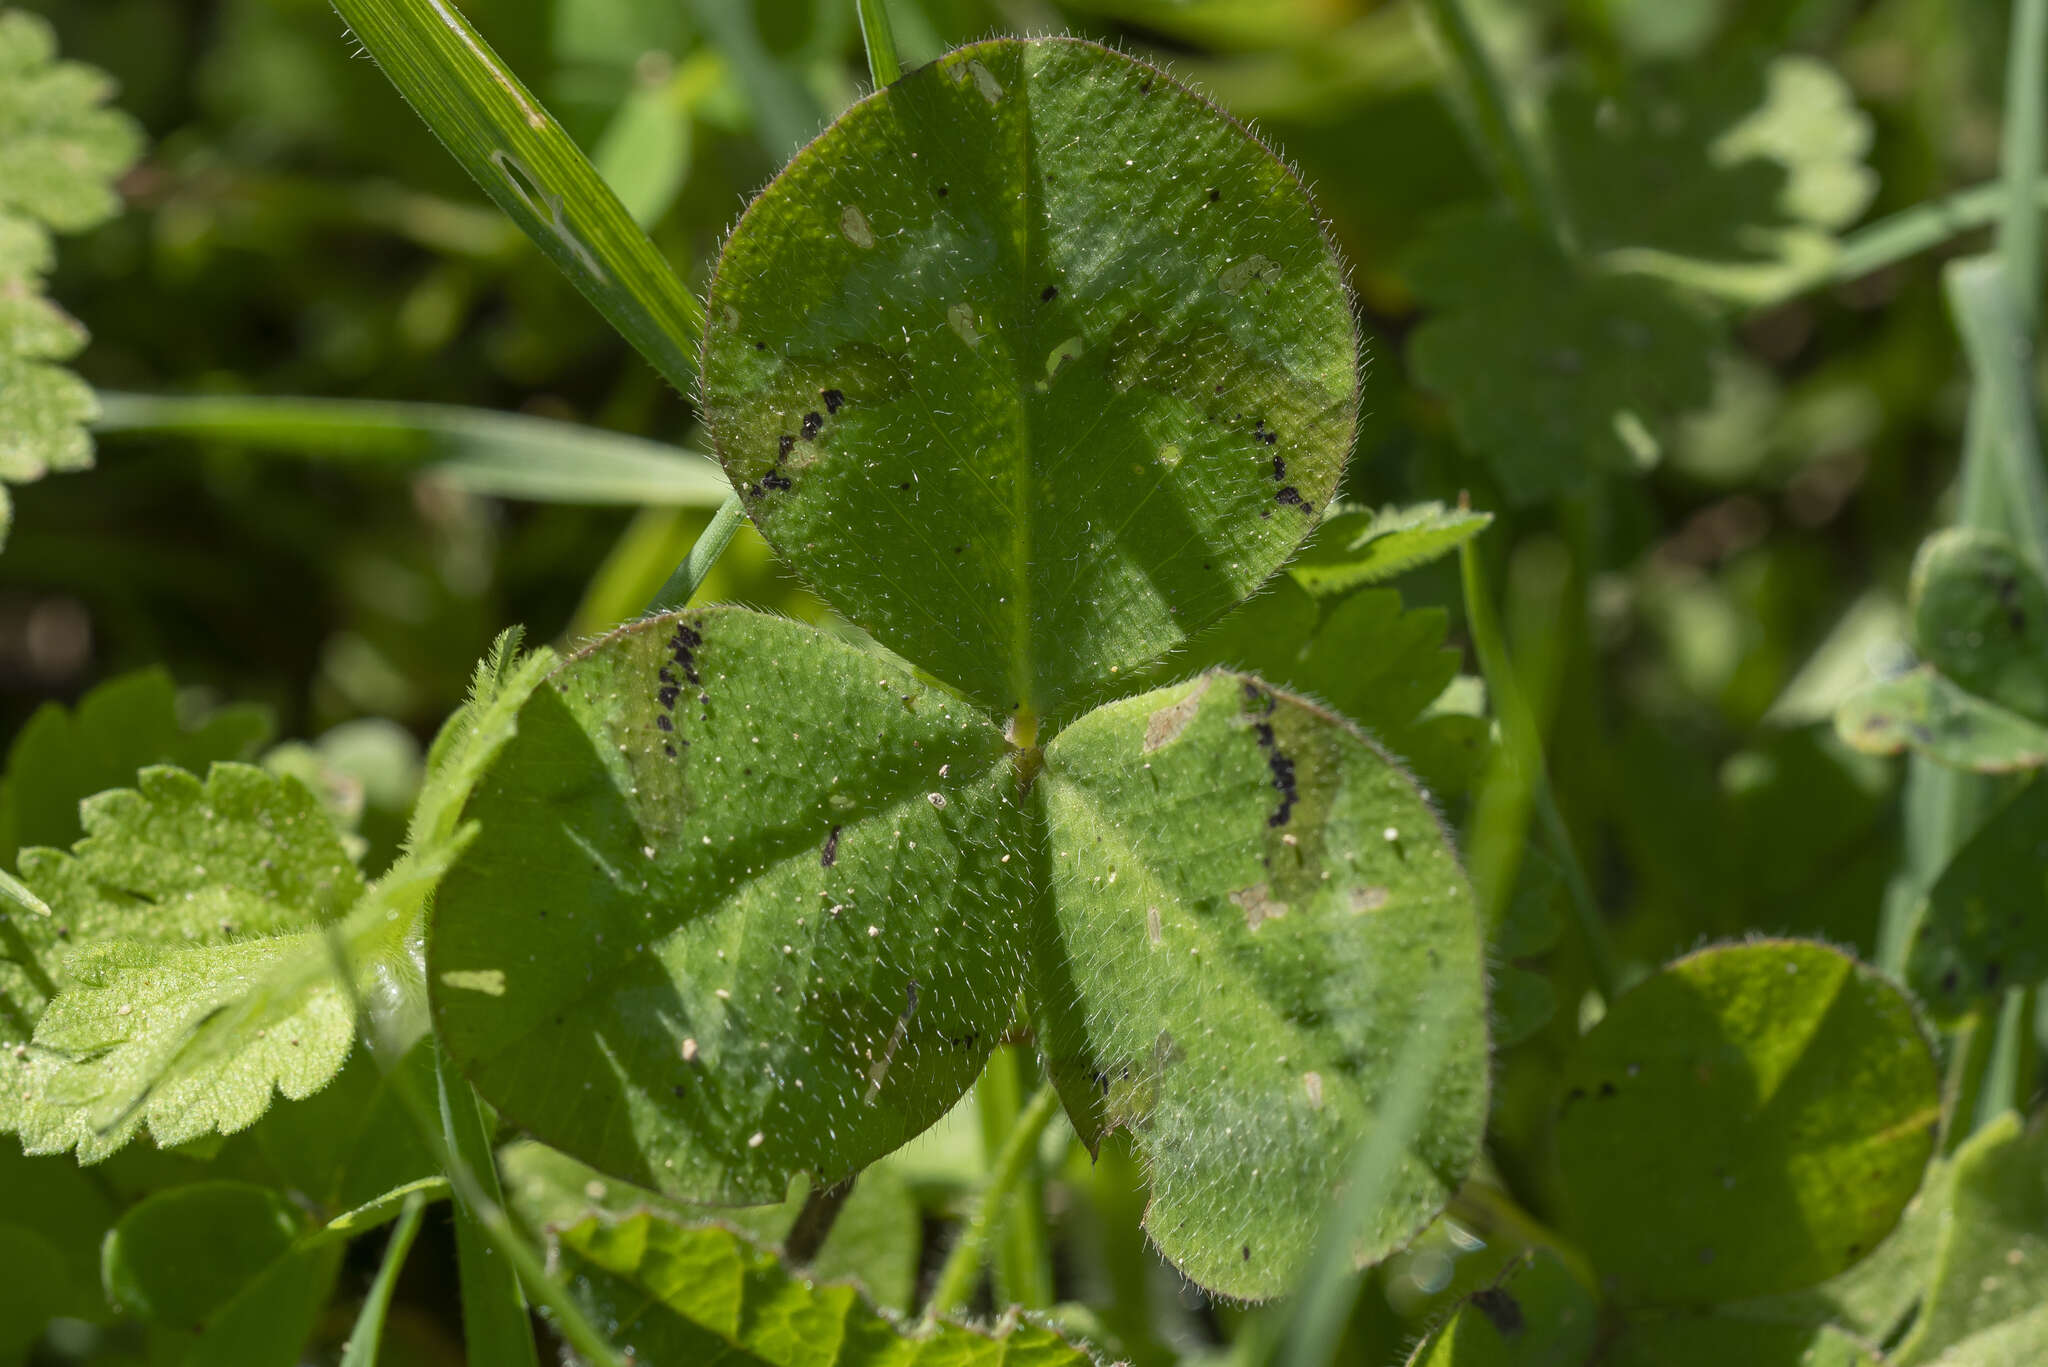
(1032, 414)
(1774, 1102)
(1246, 908)
(61, 757)
(666, 1292)
(61, 151)
(1925, 711)
(740, 907)
(1984, 1307)
(1553, 372)
(1357, 546)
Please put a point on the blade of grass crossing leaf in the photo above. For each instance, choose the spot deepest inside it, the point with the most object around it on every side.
(1523, 749)
(503, 455)
(682, 585)
(963, 1263)
(875, 31)
(532, 170)
(568, 1317)
(1323, 1302)
(495, 1325)
(364, 1338)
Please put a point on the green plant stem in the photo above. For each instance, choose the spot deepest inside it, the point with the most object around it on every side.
(883, 65)
(682, 585)
(1523, 744)
(496, 1326)
(569, 1318)
(1498, 132)
(1022, 1264)
(814, 1222)
(2019, 227)
(369, 1327)
(2010, 1061)
(1020, 1148)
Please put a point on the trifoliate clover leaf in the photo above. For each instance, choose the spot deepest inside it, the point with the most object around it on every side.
(61, 151)
(1979, 614)
(1553, 371)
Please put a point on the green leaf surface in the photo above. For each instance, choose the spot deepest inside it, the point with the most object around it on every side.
(1382, 667)
(36, 1287)
(1357, 546)
(1980, 616)
(61, 152)
(1985, 926)
(1985, 1305)
(504, 455)
(739, 908)
(1538, 1316)
(531, 169)
(875, 1242)
(1773, 1102)
(1248, 909)
(1705, 1340)
(1925, 711)
(229, 1268)
(1033, 364)
(61, 757)
(351, 1144)
(1553, 373)
(667, 1292)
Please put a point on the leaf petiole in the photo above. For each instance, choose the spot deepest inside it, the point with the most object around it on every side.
(963, 1263)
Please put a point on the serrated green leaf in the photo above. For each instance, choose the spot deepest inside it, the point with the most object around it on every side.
(230, 1269)
(1985, 926)
(1734, 162)
(1539, 1316)
(1247, 909)
(61, 151)
(1773, 1102)
(1980, 616)
(1357, 546)
(531, 169)
(59, 758)
(1035, 413)
(1553, 372)
(785, 850)
(671, 1293)
(1925, 711)
(874, 1242)
(1984, 1307)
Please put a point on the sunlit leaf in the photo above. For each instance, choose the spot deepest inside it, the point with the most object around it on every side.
(1032, 414)
(788, 853)
(675, 1293)
(1553, 372)
(1980, 616)
(1357, 546)
(1249, 909)
(1774, 1103)
(61, 150)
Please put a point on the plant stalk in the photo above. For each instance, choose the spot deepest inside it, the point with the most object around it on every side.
(1020, 1147)
(1023, 1267)
(880, 38)
(363, 1340)
(683, 584)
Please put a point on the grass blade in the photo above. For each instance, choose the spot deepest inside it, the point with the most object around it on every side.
(883, 63)
(369, 1330)
(682, 585)
(506, 455)
(532, 170)
(496, 1327)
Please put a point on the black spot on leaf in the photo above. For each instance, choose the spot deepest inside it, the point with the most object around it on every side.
(1503, 1310)
(834, 400)
(830, 854)
(813, 422)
